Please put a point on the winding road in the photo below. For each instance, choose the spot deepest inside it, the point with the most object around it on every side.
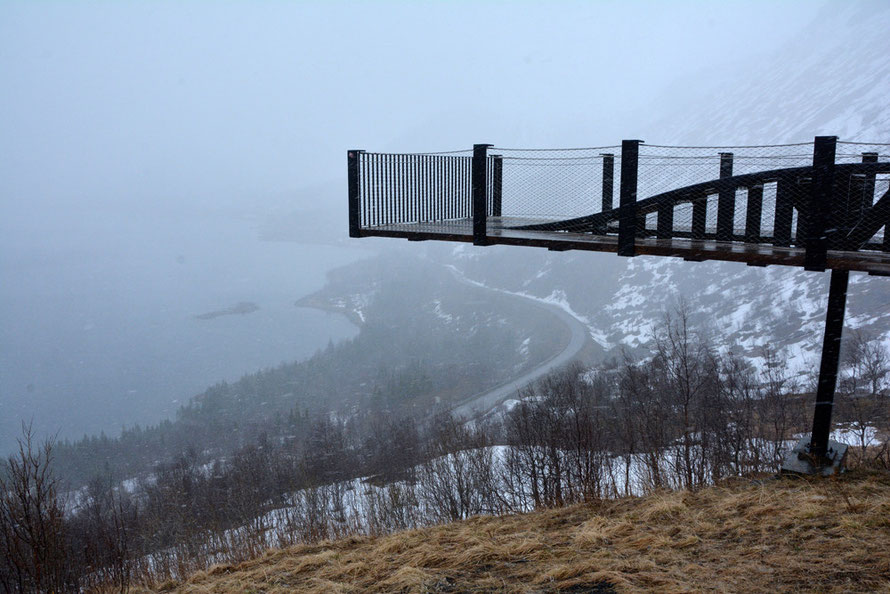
(481, 403)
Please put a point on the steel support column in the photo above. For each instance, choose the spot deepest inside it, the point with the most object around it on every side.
(822, 214)
(480, 184)
(831, 351)
(627, 218)
(352, 174)
(817, 454)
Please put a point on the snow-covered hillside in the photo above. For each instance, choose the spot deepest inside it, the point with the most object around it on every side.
(834, 78)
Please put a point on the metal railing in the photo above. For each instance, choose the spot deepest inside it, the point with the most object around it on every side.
(805, 195)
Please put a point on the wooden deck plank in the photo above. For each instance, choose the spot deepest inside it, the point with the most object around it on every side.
(500, 231)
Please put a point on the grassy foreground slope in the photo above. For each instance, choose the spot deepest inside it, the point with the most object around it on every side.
(744, 535)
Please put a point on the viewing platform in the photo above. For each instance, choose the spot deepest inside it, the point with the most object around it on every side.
(820, 205)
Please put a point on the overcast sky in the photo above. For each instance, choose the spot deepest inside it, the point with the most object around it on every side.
(163, 104)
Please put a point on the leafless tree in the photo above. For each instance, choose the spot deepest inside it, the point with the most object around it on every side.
(32, 527)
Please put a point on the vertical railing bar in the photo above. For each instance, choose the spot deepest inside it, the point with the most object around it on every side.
(445, 205)
(403, 190)
(754, 214)
(491, 174)
(491, 186)
(783, 213)
(458, 182)
(665, 225)
(440, 210)
(699, 217)
(449, 187)
(431, 202)
(497, 207)
(443, 187)
(487, 186)
(446, 185)
(446, 179)
(381, 202)
(369, 181)
(391, 186)
(363, 190)
(393, 192)
(415, 212)
(406, 190)
(418, 189)
(465, 191)
(378, 191)
(434, 204)
(469, 168)
(867, 186)
(608, 181)
(368, 190)
(452, 187)
(868, 197)
(375, 191)
(382, 175)
(396, 190)
(400, 178)
(389, 191)
(421, 189)
(384, 188)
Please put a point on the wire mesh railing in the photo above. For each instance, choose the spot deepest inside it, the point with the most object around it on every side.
(557, 184)
(397, 189)
(862, 197)
(821, 195)
(756, 212)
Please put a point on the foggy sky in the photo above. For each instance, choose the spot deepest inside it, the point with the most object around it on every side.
(205, 105)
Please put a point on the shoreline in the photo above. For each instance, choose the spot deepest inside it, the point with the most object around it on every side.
(318, 302)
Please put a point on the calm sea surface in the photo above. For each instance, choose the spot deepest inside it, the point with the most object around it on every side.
(97, 316)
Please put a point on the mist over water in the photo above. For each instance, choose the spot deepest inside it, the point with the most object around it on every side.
(98, 315)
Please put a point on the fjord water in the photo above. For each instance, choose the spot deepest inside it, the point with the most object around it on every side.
(98, 325)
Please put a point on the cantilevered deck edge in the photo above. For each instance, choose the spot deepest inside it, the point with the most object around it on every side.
(876, 263)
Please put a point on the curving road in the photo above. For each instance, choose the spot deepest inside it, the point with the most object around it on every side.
(481, 403)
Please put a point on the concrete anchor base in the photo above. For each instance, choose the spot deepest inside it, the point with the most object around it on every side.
(800, 461)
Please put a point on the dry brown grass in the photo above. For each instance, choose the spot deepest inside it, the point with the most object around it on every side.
(784, 535)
